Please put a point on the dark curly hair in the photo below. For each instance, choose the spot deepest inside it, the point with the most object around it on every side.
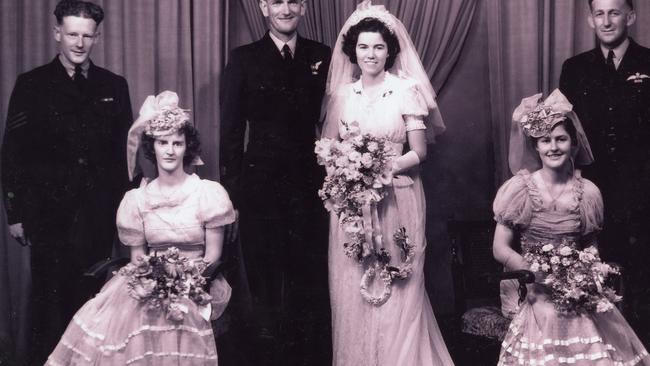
(84, 9)
(192, 144)
(370, 25)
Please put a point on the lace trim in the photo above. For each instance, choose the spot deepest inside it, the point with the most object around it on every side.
(171, 354)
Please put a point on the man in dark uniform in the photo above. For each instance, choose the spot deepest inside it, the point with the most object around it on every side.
(64, 169)
(276, 85)
(609, 88)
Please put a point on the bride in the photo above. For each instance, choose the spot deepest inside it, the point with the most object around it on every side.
(392, 99)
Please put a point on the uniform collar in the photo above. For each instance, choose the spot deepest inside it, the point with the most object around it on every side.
(69, 67)
(280, 43)
(619, 51)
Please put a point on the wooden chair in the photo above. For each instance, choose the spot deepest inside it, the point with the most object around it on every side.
(476, 286)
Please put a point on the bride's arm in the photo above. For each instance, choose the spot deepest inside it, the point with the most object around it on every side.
(418, 153)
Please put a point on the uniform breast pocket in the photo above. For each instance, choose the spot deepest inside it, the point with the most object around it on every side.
(105, 106)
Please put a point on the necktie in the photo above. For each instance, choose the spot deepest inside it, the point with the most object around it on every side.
(611, 67)
(78, 77)
(286, 54)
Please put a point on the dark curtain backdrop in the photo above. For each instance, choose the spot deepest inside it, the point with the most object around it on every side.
(482, 57)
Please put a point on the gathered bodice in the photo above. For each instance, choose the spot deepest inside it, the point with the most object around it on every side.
(397, 108)
(148, 217)
(520, 205)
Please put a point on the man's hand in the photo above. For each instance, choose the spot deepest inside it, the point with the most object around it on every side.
(17, 232)
(232, 230)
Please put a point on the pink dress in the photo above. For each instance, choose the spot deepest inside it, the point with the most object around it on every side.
(113, 328)
(403, 331)
(538, 334)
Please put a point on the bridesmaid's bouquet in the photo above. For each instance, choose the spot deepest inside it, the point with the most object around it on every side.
(359, 166)
(577, 279)
(162, 279)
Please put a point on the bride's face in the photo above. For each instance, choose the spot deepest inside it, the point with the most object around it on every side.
(372, 53)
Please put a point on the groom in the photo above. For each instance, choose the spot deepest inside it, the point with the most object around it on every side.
(274, 87)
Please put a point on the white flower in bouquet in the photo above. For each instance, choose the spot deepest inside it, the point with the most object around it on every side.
(586, 256)
(565, 251)
(366, 160)
(534, 267)
(545, 267)
(555, 259)
(547, 247)
(604, 306)
(373, 146)
(579, 277)
(342, 161)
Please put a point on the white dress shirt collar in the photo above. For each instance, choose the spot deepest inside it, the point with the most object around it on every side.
(619, 51)
(280, 43)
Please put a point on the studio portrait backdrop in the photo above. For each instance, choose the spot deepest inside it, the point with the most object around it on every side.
(481, 56)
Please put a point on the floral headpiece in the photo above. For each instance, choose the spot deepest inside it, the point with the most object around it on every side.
(538, 118)
(159, 116)
(379, 12)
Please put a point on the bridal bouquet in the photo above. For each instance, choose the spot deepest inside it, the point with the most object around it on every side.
(359, 167)
(162, 279)
(576, 278)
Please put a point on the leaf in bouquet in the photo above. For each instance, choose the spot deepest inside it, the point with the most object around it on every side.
(383, 256)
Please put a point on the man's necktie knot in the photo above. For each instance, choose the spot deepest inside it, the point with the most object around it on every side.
(286, 53)
(78, 77)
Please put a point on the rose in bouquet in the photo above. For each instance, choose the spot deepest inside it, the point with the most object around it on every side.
(577, 279)
(359, 168)
(162, 280)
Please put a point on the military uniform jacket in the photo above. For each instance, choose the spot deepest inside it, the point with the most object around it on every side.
(281, 102)
(614, 108)
(63, 154)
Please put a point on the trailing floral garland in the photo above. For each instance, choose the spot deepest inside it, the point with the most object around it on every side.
(359, 167)
(163, 279)
(576, 278)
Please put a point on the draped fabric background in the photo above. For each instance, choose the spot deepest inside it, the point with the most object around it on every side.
(528, 42)
(157, 45)
(438, 42)
(482, 56)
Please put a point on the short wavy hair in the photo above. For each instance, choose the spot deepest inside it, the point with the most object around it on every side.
(84, 9)
(629, 3)
(373, 25)
(192, 144)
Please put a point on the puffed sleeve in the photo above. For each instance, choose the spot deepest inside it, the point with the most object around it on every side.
(414, 108)
(215, 207)
(591, 208)
(512, 205)
(130, 226)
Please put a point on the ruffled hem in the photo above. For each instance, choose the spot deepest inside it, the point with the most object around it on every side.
(115, 329)
(604, 349)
